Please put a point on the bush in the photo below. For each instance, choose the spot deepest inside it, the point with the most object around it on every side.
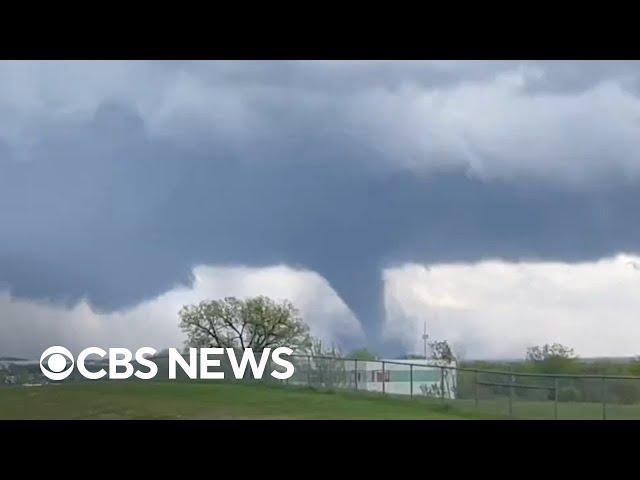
(624, 391)
(569, 394)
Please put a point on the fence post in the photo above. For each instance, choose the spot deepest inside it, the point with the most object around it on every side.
(383, 379)
(555, 398)
(475, 388)
(411, 380)
(356, 373)
(510, 396)
(309, 370)
(442, 384)
(604, 398)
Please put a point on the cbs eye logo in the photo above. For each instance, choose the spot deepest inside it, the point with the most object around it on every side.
(54, 363)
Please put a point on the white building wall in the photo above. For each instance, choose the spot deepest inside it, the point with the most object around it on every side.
(403, 387)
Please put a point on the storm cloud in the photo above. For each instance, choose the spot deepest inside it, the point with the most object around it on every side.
(117, 179)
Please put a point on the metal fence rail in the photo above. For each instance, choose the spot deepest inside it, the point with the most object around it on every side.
(510, 394)
(505, 394)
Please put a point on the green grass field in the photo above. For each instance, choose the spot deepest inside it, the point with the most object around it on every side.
(209, 401)
(137, 400)
(532, 410)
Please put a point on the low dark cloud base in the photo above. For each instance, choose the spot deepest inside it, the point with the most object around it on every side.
(107, 213)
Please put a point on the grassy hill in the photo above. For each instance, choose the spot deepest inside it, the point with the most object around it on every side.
(139, 400)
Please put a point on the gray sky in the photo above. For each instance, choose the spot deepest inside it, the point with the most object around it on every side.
(118, 179)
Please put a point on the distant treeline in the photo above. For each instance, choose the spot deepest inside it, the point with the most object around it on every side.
(577, 366)
(557, 359)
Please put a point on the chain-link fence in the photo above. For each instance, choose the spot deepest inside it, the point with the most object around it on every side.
(504, 394)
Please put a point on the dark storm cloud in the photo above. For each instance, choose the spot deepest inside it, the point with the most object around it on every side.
(564, 76)
(577, 76)
(102, 209)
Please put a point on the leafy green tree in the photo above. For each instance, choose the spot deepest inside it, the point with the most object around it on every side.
(363, 354)
(256, 323)
(440, 350)
(634, 367)
(552, 358)
(319, 349)
(327, 366)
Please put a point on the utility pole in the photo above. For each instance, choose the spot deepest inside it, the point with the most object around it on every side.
(425, 338)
